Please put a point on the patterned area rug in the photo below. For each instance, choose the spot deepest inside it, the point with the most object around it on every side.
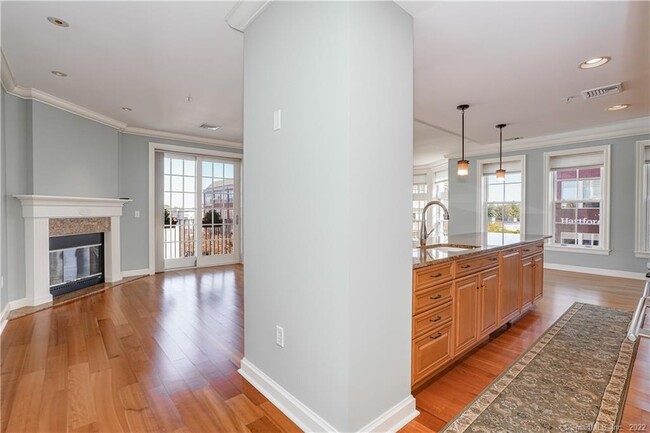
(573, 379)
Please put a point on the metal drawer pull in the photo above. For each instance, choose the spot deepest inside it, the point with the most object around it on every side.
(526, 249)
(436, 319)
(438, 296)
(493, 259)
(466, 266)
(435, 337)
(436, 275)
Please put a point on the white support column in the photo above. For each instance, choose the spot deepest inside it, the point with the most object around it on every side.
(37, 264)
(112, 265)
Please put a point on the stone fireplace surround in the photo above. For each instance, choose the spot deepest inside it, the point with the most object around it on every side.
(66, 215)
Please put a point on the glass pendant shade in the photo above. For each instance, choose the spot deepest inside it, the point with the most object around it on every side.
(501, 175)
(463, 167)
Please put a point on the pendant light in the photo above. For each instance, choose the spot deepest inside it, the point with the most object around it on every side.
(463, 164)
(501, 173)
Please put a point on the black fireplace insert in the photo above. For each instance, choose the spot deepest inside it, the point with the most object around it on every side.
(76, 262)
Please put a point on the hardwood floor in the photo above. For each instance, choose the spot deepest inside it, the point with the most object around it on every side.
(161, 354)
(440, 400)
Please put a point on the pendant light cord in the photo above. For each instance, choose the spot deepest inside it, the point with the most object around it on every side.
(463, 136)
(500, 146)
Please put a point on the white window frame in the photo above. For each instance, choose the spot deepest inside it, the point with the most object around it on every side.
(432, 171)
(481, 222)
(641, 250)
(549, 189)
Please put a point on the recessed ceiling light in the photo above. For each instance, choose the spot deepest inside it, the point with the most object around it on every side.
(618, 107)
(594, 63)
(126, 109)
(59, 74)
(58, 22)
(210, 127)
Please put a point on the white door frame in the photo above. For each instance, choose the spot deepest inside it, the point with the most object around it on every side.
(153, 147)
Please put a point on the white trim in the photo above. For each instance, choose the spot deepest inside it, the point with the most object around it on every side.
(595, 271)
(641, 203)
(439, 165)
(570, 249)
(308, 420)
(4, 318)
(394, 418)
(642, 255)
(606, 200)
(480, 222)
(135, 273)
(13, 88)
(624, 128)
(298, 412)
(18, 303)
(244, 13)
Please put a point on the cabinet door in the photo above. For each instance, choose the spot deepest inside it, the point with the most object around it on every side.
(488, 302)
(509, 285)
(466, 314)
(538, 267)
(527, 283)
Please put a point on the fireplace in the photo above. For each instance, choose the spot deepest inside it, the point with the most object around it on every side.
(48, 217)
(76, 262)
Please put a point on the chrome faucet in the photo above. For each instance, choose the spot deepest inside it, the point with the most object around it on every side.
(423, 223)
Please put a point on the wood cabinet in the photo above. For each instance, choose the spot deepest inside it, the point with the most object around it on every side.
(488, 302)
(465, 313)
(459, 303)
(509, 283)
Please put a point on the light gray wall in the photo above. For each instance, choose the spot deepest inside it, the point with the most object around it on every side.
(463, 197)
(338, 276)
(4, 299)
(72, 156)
(18, 180)
(133, 183)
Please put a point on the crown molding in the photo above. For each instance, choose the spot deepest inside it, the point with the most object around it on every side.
(440, 164)
(244, 13)
(624, 128)
(13, 88)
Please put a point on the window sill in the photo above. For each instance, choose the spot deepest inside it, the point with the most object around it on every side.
(599, 252)
(642, 254)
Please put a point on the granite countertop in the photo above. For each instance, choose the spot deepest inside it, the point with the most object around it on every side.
(481, 242)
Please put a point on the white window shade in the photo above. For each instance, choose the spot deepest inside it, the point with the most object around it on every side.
(440, 176)
(508, 166)
(419, 179)
(647, 154)
(577, 160)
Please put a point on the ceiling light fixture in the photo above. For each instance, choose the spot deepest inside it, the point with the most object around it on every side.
(618, 107)
(210, 127)
(127, 109)
(58, 22)
(463, 164)
(59, 74)
(594, 63)
(501, 173)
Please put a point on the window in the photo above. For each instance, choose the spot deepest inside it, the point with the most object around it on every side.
(430, 184)
(642, 247)
(577, 211)
(502, 203)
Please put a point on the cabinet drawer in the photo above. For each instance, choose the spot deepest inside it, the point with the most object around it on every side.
(429, 320)
(529, 250)
(431, 352)
(432, 297)
(472, 265)
(431, 275)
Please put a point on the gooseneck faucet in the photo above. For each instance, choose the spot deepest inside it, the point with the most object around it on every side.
(423, 222)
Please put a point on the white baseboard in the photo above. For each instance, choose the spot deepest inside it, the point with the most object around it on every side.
(18, 303)
(595, 271)
(309, 421)
(135, 273)
(4, 318)
(394, 418)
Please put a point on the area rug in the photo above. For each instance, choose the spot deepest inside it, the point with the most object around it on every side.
(573, 379)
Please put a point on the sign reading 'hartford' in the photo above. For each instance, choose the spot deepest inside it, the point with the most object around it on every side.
(583, 221)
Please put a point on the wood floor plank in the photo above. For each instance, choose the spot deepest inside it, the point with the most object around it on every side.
(81, 405)
(26, 402)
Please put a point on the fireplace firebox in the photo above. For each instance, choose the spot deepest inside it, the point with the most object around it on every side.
(76, 262)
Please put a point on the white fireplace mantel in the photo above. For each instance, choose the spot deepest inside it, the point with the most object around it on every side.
(38, 210)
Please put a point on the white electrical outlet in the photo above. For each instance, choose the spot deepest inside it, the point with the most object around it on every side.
(137, 214)
(277, 120)
(279, 335)
(2, 281)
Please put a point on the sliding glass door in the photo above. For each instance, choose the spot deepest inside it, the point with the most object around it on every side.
(201, 211)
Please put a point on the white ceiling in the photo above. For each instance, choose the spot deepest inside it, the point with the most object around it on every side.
(513, 62)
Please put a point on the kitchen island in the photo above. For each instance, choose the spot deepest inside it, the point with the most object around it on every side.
(467, 288)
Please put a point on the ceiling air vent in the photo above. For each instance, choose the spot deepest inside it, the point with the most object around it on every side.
(610, 89)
